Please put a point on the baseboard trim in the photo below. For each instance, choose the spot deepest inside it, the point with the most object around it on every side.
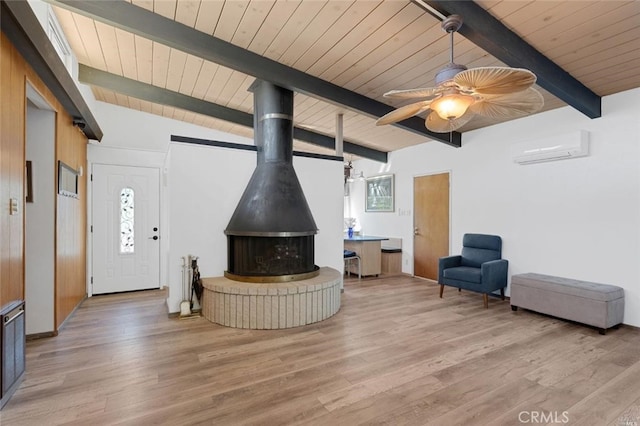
(45, 335)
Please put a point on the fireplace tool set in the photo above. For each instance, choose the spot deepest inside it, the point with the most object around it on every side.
(191, 284)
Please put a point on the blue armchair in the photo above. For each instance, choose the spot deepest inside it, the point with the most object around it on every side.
(479, 268)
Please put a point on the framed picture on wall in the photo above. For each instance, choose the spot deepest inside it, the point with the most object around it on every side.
(67, 180)
(379, 195)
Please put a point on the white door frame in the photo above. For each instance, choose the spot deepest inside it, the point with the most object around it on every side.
(39, 248)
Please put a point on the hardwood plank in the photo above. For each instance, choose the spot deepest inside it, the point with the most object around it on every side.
(394, 34)
(134, 103)
(218, 83)
(204, 79)
(175, 69)
(357, 34)
(272, 25)
(549, 23)
(160, 64)
(414, 42)
(192, 68)
(606, 404)
(357, 12)
(156, 109)
(237, 82)
(330, 12)
(208, 16)
(145, 4)
(166, 8)
(607, 24)
(242, 99)
(574, 387)
(127, 53)
(67, 22)
(572, 362)
(531, 16)
(144, 59)
(251, 22)
(501, 9)
(630, 415)
(395, 354)
(482, 410)
(87, 28)
(300, 23)
(187, 11)
(230, 17)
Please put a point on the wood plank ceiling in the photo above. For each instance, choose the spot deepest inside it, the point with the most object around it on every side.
(367, 46)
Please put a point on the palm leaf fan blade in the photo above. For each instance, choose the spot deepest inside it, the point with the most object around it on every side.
(495, 80)
(425, 92)
(403, 113)
(510, 105)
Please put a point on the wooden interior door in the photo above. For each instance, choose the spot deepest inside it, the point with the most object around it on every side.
(431, 223)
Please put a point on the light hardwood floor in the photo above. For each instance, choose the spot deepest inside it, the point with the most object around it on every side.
(394, 354)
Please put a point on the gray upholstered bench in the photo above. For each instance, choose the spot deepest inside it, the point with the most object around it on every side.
(599, 305)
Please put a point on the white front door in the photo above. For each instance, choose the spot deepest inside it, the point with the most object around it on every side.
(126, 228)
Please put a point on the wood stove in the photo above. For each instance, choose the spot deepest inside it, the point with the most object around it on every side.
(270, 236)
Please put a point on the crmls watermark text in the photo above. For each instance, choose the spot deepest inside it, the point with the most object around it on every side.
(543, 417)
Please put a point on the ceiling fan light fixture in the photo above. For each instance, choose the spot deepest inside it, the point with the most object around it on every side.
(452, 105)
(461, 93)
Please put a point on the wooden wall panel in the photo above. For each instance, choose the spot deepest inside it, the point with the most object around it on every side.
(70, 280)
(71, 223)
(11, 174)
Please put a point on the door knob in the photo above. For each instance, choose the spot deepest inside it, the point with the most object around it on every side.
(415, 231)
(155, 237)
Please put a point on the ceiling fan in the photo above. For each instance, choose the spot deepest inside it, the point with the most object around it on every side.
(461, 93)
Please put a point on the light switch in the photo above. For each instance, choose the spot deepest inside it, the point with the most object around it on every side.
(13, 206)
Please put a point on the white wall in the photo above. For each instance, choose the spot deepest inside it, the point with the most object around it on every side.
(40, 222)
(131, 129)
(202, 185)
(135, 138)
(577, 218)
(205, 185)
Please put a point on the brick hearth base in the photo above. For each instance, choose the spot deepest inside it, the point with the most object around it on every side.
(273, 305)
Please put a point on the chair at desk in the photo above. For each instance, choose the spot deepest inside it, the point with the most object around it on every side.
(348, 257)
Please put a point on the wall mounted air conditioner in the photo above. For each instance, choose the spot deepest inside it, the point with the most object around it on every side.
(552, 148)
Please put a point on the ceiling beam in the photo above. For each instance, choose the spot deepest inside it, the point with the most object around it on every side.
(158, 95)
(22, 27)
(488, 33)
(137, 20)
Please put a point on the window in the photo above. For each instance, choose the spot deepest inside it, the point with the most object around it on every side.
(58, 41)
(126, 220)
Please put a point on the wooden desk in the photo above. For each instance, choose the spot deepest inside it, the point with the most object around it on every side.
(369, 250)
